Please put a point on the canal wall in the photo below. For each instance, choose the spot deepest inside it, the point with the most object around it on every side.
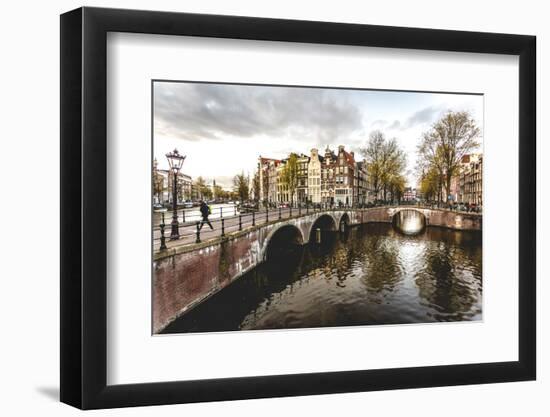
(185, 276)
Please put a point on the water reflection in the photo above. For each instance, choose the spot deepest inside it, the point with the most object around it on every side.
(410, 222)
(370, 275)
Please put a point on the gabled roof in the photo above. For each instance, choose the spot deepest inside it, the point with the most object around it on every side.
(349, 157)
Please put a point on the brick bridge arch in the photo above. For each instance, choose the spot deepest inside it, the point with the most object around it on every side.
(392, 212)
(304, 226)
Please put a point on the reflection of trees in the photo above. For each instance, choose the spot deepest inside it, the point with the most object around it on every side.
(303, 288)
(382, 270)
(450, 280)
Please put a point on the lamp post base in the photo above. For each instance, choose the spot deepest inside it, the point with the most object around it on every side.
(175, 233)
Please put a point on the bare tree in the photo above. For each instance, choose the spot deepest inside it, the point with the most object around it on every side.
(394, 162)
(373, 154)
(443, 147)
(386, 163)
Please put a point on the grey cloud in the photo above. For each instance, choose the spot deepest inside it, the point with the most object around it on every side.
(426, 115)
(195, 111)
(395, 125)
(378, 123)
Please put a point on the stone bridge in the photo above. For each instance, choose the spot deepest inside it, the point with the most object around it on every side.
(186, 275)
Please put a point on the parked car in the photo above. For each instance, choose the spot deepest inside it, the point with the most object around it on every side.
(248, 207)
(188, 204)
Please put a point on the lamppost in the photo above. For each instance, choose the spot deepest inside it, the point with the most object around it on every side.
(175, 160)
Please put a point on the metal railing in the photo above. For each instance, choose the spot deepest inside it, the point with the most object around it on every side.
(194, 214)
(195, 231)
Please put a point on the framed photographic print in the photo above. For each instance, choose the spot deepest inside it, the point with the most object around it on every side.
(259, 207)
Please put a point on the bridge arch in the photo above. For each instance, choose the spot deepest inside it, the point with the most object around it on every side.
(344, 222)
(285, 236)
(409, 221)
(395, 210)
(325, 222)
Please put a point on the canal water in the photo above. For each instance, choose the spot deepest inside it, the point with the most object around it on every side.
(370, 275)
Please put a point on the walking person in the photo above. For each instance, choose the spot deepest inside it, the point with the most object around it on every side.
(205, 212)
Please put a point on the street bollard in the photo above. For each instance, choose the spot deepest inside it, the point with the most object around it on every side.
(240, 222)
(253, 218)
(279, 212)
(198, 239)
(182, 216)
(299, 210)
(223, 227)
(267, 215)
(162, 238)
(234, 210)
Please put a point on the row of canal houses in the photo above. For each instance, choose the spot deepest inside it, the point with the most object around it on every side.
(330, 178)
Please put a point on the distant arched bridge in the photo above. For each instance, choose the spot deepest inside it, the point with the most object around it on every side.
(187, 273)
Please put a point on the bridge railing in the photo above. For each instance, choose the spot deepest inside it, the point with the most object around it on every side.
(199, 230)
(192, 215)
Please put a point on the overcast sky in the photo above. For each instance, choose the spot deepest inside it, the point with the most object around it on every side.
(223, 128)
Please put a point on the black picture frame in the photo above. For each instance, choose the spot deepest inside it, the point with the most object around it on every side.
(84, 207)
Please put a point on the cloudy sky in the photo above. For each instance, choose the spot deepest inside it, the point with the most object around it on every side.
(223, 128)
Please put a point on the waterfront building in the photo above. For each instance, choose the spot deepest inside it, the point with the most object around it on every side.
(344, 177)
(332, 178)
(300, 196)
(362, 191)
(314, 177)
(328, 168)
(410, 194)
(283, 192)
(162, 185)
(470, 180)
(267, 170)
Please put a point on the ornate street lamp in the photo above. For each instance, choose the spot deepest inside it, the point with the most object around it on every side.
(175, 160)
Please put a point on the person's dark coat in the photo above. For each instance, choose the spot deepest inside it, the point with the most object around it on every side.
(204, 210)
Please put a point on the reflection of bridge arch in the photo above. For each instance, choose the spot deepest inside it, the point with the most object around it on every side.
(286, 234)
(325, 222)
